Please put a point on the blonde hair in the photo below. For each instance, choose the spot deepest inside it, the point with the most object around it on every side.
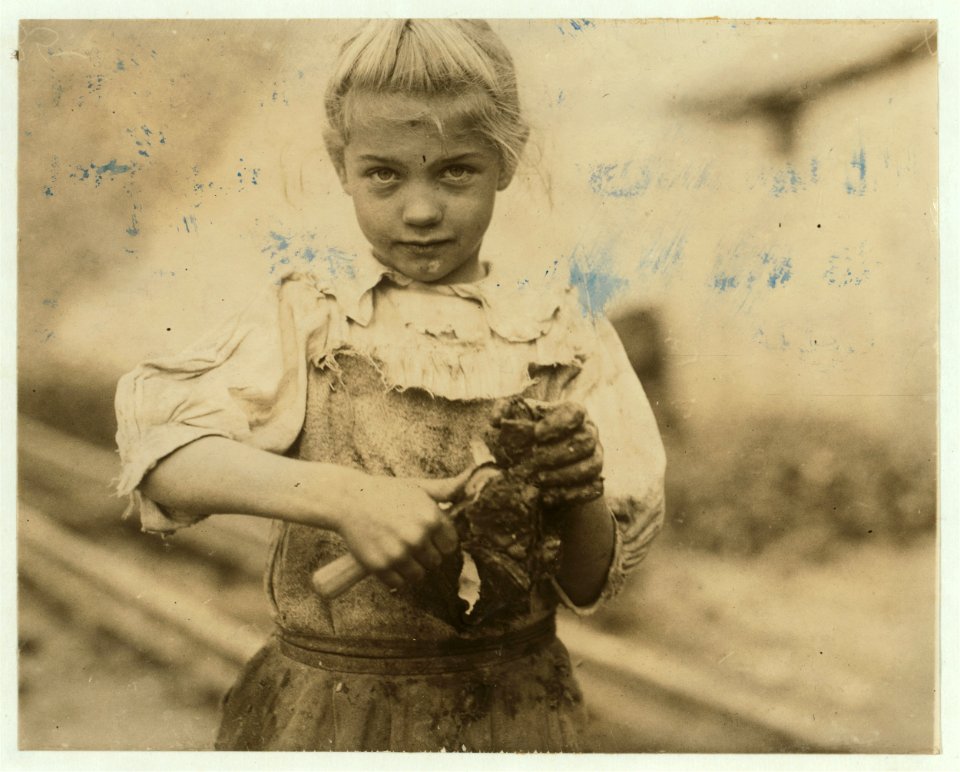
(432, 57)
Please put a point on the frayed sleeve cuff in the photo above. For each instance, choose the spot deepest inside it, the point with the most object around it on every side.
(162, 441)
(635, 526)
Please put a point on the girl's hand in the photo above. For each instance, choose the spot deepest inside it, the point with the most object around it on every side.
(396, 530)
(568, 457)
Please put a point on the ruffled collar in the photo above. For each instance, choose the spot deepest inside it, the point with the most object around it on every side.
(516, 311)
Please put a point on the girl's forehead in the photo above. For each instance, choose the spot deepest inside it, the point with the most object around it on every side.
(448, 114)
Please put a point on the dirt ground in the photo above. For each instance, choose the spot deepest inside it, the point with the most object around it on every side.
(84, 691)
(846, 647)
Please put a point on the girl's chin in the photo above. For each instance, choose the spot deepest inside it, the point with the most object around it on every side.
(433, 269)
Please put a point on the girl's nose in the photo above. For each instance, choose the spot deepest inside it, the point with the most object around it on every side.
(422, 208)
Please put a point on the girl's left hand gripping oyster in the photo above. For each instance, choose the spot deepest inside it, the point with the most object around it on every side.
(507, 529)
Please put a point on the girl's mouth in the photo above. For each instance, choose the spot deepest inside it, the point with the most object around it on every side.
(424, 246)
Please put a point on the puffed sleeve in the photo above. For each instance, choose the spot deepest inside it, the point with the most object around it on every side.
(633, 460)
(245, 381)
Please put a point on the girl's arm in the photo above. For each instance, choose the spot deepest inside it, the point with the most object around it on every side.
(392, 526)
(569, 459)
(587, 532)
(607, 537)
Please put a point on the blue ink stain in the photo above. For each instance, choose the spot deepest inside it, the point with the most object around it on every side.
(300, 74)
(814, 168)
(186, 224)
(666, 256)
(780, 274)
(146, 130)
(113, 168)
(144, 153)
(339, 262)
(120, 67)
(616, 180)
(133, 230)
(163, 139)
(50, 302)
(842, 275)
(281, 242)
(859, 163)
(596, 282)
(722, 282)
(48, 191)
(308, 254)
(560, 97)
(284, 261)
(786, 181)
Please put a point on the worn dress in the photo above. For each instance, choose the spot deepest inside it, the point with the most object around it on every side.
(358, 365)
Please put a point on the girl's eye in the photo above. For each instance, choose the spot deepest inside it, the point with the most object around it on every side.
(383, 175)
(458, 173)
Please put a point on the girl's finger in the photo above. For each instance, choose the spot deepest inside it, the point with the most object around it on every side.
(427, 555)
(574, 494)
(410, 570)
(561, 420)
(390, 578)
(584, 471)
(575, 448)
(445, 488)
(445, 537)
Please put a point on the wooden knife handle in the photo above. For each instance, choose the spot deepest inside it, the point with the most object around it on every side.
(337, 576)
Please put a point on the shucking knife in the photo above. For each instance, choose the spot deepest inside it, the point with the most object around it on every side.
(342, 573)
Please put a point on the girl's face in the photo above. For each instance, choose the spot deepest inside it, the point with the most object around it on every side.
(423, 198)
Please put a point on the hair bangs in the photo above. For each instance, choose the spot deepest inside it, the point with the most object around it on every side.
(432, 57)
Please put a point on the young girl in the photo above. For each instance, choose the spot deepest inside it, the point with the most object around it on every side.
(344, 403)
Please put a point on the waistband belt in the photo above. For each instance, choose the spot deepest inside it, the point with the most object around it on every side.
(392, 657)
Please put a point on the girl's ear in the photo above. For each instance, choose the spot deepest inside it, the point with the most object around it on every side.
(335, 149)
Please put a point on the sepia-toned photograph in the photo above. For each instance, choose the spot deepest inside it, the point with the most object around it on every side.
(557, 385)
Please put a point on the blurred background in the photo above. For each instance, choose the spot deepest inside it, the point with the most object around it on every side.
(753, 203)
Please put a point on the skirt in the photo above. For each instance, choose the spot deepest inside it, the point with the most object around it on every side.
(516, 698)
